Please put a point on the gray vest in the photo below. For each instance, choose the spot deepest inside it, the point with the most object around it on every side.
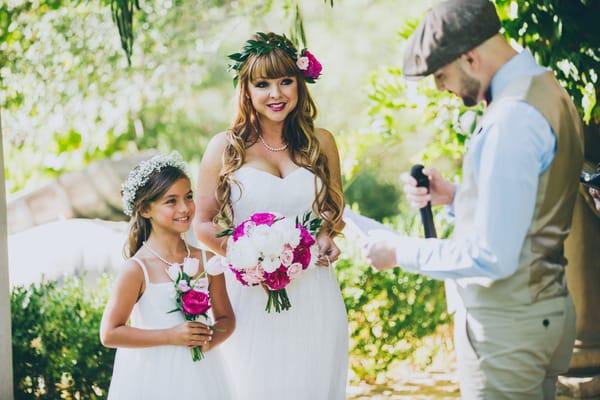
(541, 271)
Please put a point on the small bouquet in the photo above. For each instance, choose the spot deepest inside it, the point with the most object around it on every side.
(191, 294)
(272, 251)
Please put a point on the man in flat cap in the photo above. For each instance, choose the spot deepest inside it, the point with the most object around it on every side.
(515, 320)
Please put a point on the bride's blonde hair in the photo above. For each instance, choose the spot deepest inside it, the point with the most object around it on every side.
(298, 133)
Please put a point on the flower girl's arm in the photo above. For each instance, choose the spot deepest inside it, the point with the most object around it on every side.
(114, 331)
(207, 206)
(222, 311)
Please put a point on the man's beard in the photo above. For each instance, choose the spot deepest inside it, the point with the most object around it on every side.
(470, 89)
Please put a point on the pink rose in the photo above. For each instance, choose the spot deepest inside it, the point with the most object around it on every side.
(263, 218)
(287, 257)
(254, 275)
(277, 280)
(195, 303)
(302, 63)
(314, 66)
(294, 270)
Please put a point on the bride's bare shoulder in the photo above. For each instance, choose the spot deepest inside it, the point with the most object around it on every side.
(326, 140)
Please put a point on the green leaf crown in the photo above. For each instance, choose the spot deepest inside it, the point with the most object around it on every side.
(264, 44)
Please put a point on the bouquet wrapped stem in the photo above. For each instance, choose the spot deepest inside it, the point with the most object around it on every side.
(278, 300)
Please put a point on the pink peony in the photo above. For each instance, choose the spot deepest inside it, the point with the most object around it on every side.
(239, 275)
(195, 303)
(306, 238)
(302, 255)
(277, 280)
(263, 218)
(314, 66)
(238, 231)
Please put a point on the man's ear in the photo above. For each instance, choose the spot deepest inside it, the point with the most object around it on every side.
(472, 60)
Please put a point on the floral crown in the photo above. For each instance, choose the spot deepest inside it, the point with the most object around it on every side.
(139, 176)
(305, 61)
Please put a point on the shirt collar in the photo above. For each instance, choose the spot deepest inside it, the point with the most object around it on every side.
(520, 64)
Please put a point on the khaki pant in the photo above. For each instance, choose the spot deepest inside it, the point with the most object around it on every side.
(514, 353)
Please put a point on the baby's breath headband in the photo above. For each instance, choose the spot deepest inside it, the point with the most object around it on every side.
(265, 43)
(139, 176)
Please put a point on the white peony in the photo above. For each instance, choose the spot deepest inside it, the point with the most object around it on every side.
(271, 263)
(242, 254)
(287, 231)
(267, 241)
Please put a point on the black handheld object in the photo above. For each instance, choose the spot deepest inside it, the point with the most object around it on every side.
(591, 180)
(426, 215)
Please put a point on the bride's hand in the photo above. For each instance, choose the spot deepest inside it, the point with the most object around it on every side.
(328, 250)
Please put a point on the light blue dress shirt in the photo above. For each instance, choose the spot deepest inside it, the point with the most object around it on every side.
(507, 156)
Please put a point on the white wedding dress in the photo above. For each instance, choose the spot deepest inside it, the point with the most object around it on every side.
(300, 353)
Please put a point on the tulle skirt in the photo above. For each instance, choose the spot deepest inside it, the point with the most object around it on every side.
(168, 372)
(298, 354)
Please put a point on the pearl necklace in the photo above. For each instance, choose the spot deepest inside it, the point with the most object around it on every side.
(155, 253)
(273, 149)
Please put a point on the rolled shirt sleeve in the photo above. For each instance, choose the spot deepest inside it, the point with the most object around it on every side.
(510, 153)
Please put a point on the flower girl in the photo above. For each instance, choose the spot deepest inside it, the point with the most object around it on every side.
(166, 349)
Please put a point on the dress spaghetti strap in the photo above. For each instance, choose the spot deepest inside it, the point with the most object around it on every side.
(143, 267)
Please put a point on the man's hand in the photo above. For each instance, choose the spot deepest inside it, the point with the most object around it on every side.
(441, 191)
(380, 252)
(596, 196)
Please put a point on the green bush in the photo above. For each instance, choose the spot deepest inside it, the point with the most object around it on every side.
(56, 348)
(57, 352)
(375, 199)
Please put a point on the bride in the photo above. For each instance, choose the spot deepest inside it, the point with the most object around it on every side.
(273, 159)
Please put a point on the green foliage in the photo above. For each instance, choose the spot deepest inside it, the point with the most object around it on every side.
(56, 347)
(375, 199)
(389, 313)
(565, 36)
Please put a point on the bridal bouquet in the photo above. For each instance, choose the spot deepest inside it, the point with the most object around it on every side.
(191, 294)
(271, 251)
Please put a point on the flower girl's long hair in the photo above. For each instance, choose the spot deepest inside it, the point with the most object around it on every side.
(158, 184)
(298, 133)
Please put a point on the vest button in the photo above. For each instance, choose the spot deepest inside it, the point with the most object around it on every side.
(546, 323)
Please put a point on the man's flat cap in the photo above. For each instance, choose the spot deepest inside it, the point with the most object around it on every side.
(449, 29)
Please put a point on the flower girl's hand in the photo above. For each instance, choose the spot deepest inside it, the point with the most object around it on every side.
(191, 334)
(328, 251)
